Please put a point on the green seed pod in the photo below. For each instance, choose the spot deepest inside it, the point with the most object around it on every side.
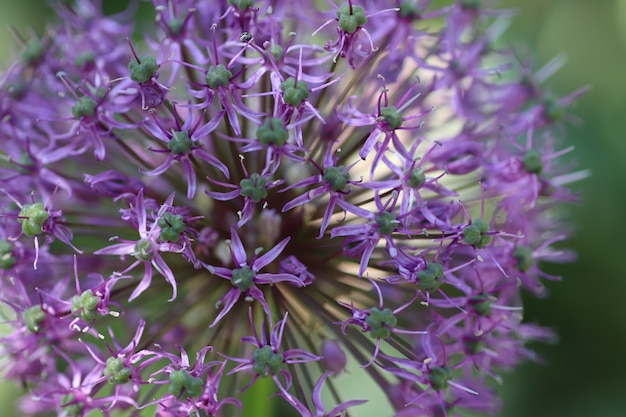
(84, 107)
(35, 215)
(524, 257)
(143, 250)
(176, 26)
(386, 223)
(439, 377)
(337, 177)
(241, 4)
(7, 260)
(243, 278)
(532, 162)
(294, 93)
(381, 322)
(417, 178)
(85, 58)
(350, 22)
(218, 76)
(32, 53)
(392, 117)
(253, 187)
(272, 132)
(266, 362)
(180, 143)
(481, 304)
(409, 10)
(431, 277)
(183, 385)
(143, 71)
(117, 372)
(86, 305)
(277, 52)
(33, 317)
(172, 225)
(473, 234)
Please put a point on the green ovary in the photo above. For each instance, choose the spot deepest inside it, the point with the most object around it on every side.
(474, 234)
(243, 278)
(381, 322)
(253, 187)
(350, 22)
(35, 215)
(117, 372)
(337, 177)
(266, 362)
(218, 76)
(294, 93)
(143, 71)
(180, 143)
(183, 385)
(86, 304)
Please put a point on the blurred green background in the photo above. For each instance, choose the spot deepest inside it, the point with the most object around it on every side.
(585, 373)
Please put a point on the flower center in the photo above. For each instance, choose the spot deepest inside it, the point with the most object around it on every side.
(266, 362)
(180, 143)
(380, 322)
(294, 93)
(183, 385)
(218, 76)
(351, 18)
(142, 71)
(253, 187)
(337, 177)
(243, 278)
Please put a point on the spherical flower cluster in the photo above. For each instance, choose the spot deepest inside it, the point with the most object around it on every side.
(277, 191)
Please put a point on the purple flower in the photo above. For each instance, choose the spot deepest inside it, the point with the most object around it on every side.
(318, 185)
(182, 144)
(245, 277)
(147, 250)
(268, 358)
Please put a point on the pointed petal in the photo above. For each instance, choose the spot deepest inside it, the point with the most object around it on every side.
(268, 257)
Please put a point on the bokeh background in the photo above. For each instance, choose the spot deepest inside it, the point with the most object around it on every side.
(584, 374)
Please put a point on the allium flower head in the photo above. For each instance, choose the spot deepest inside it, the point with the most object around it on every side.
(286, 191)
